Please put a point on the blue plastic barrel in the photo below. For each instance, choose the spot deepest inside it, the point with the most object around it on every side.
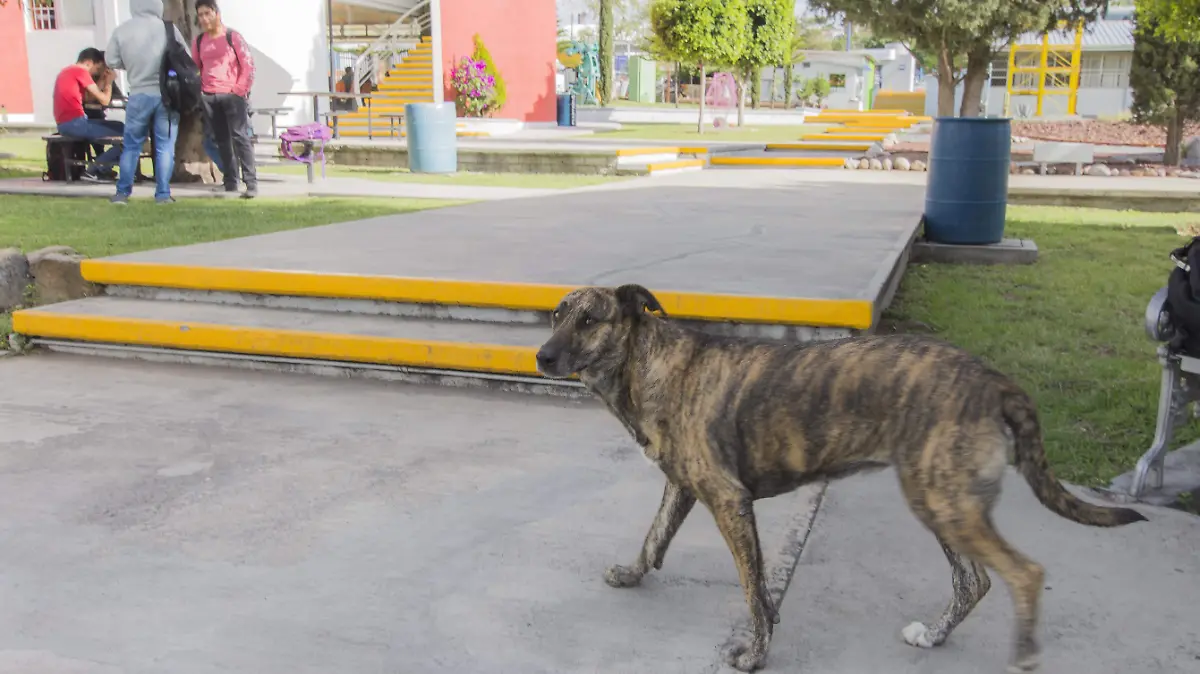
(566, 109)
(432, 136)
(966, 195)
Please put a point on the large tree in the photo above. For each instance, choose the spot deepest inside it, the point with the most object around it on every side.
(191, 161)
(769, 35)
(1165, 77)
(1176, 20)
(702, 32)
(806, 34)
(607, 30)
(960, 32)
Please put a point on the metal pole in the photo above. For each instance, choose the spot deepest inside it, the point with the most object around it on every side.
(329, 19)
(849, 36)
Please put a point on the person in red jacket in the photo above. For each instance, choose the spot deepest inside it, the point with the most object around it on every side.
(226, 76)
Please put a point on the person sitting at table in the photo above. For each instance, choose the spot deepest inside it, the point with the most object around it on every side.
(95, 110)
(88, 75)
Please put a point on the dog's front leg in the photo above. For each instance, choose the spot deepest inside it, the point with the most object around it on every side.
(675, 506)
(734, 513)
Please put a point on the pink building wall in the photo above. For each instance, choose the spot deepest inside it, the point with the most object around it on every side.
(521, 36)
(15, 93)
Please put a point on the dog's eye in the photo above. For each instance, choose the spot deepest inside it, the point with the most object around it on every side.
(589, 321)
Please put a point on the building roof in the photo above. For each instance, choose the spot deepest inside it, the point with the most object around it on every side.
(1105, 35)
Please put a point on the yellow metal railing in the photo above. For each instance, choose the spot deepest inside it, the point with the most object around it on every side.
(1043, 70)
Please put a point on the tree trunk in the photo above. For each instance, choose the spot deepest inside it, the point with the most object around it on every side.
(192, 163)
(1174, 139)
(703, 92)
(741, 100)
(607, 30)
(974, 81)
(678, 68)
(756, 89)
(946, 84)
(787, 86)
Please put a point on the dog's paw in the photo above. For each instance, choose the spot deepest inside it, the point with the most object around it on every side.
(1024, 665)
(744, 657)
(917, 634)
(622, 576)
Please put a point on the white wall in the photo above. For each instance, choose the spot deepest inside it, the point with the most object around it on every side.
(848, 97)
(49, 52)
(1091, 101)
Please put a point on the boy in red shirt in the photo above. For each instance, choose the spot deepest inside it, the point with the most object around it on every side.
(226, 76)
(69, 115)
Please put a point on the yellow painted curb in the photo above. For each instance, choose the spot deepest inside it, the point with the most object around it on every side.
(668, 165)
(637, 151)
(853, 130)
(283, 343)
(778, 161)
(832, 147)
(881, 123)
(881, 111)
(694, 150)
(519, 296)
(846, 136)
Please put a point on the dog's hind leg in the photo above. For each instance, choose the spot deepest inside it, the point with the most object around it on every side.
(674, 509)
(971, 583)
(734, 513)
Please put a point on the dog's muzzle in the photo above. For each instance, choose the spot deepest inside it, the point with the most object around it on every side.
(548, 362)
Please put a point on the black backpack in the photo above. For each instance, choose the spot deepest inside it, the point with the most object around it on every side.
(54, 160)
(1183, 298)
(179, 80)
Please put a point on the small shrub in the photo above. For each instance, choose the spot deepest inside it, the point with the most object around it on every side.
(475, 89)
(482, 54)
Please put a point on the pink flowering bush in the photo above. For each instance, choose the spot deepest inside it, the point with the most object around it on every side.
(475, 89)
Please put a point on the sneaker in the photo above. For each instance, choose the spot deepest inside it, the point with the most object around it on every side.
(119, 200)
(90, 175)
(250, 193)
(228, 193)
(165, 200)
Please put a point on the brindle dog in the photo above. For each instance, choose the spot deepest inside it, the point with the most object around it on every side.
(732, 420)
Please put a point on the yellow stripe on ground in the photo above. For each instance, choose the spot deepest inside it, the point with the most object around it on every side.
(840, 131)
(778, 161)
(831, 146)
(636, 151)
(667, 165)
(282, 343)
(845, 136)
(519, 296)
(694, 150)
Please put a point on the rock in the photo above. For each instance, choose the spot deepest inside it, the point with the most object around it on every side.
(1028, 172)
(1097, 170)
(850, 164)
(864, 164)
(1189, 174)
(876, 165)
(37, 255)
(901, 164)
(1124, 172)
(890, 140)
(1137, 173)
(56, 278)
(887, 164)
(1191, 152)
(876, 150)
(14, 278)
(1172, 171)
(918, 165)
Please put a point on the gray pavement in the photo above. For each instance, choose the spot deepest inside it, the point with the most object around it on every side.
(177, 519)
(825, 241)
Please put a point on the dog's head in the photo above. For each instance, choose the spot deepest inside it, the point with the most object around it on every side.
(592, 327)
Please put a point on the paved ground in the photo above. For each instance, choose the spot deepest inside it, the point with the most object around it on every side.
(686, 238)
(191, 520)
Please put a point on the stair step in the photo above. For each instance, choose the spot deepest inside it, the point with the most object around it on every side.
(456, 346)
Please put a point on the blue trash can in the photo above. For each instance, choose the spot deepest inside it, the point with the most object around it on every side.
(432, 137)
(966, 195)
(566, 109)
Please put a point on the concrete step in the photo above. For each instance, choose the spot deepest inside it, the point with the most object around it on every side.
(500, 353)
(822, 146)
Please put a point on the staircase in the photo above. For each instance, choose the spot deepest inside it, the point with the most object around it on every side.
(410, 80)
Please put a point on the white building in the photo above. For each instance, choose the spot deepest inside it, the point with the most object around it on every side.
(1105, 60)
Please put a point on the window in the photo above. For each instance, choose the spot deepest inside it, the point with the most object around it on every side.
(837, 80)
(1000, 71)
(76, 13)
(43, 15)
(1105, 70)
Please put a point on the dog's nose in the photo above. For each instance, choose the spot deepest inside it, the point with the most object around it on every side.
(546, 358)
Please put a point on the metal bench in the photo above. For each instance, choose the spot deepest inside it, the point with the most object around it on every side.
(1063, 153)
(89, 156)
(1179, 388)
(273, 113)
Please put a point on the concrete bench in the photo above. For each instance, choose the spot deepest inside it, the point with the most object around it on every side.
(274, 114)
(1063, 153)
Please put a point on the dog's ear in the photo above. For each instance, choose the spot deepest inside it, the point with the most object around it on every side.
(634, 299)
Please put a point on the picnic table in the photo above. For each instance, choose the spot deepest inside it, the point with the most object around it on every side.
(393, 119)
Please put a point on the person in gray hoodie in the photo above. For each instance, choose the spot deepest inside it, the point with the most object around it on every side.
(137, 46)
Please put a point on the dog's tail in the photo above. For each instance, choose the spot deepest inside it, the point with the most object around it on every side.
(1021, 416)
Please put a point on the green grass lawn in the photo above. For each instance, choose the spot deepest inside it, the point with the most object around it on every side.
(554, 181)
(28, 155)
(1068, 329)
(687, 132)
(96, 228)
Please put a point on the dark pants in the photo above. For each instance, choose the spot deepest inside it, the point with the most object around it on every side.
(228, 117)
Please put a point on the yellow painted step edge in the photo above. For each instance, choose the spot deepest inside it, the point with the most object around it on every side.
(282, 343)
(847, 136)
(668, 165)
(519, 296)
(832, 147)
(778, 161)
(638, 151)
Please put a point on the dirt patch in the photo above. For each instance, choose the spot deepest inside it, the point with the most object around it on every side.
(1098, 132)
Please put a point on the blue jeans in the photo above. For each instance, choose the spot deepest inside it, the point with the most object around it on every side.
(92, 129)
(140, 112)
